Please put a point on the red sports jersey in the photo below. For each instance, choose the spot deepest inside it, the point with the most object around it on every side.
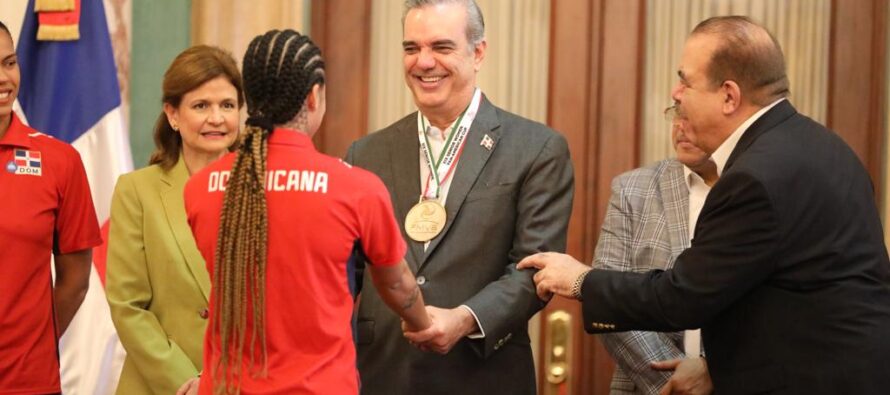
(47, 209)
(318, 207)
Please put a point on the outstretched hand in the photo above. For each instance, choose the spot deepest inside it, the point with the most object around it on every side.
(556, 273)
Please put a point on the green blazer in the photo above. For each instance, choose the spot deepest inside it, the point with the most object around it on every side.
(156, 283)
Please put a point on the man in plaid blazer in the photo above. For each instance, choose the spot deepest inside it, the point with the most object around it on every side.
(646, 227)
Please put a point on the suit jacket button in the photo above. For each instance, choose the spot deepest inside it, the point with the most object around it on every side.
(421, 280)
(204, 313)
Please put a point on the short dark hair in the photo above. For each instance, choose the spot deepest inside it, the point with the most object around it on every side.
(191, 69)
(747, 54)
(5, 29)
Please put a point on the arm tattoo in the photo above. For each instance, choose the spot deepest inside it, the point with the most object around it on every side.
(415, 292)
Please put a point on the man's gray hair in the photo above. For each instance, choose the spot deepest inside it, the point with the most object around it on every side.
(475, 22)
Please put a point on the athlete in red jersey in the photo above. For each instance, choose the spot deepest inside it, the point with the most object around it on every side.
(277, 223)
(47, 210)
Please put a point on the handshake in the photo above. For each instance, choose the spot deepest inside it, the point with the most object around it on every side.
(446, 328)
(557, 274)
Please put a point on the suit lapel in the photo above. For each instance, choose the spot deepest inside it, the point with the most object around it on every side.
(773, 117)
(674, 195)
(174, 207)
(469, 166)
(404, 156)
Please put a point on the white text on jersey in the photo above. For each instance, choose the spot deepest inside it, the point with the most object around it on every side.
(278, 181)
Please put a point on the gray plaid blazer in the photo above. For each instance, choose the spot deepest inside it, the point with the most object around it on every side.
(645, 229)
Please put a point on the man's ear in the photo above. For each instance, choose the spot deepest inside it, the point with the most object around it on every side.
(732, 97)
(479, 54)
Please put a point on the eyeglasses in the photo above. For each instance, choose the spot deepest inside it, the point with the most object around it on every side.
(671, 113)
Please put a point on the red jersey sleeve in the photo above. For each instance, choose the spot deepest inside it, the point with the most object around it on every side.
(380, 234)
(76, 225)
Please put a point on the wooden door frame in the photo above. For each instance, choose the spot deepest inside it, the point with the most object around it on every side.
(342, 29)
(596, 76)
(857, 80)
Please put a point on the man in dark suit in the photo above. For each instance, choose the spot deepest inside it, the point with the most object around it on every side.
(788, 273)
(477, 189)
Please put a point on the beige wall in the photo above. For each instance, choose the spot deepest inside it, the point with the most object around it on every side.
(13, 14)
(231, 24)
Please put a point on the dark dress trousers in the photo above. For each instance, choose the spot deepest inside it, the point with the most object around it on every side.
(787, 274)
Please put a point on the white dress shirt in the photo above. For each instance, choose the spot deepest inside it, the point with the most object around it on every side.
(698, 192)
(436, 138)
(721, 154)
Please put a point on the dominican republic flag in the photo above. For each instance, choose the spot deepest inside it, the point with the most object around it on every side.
(24, 158)
(69, 90)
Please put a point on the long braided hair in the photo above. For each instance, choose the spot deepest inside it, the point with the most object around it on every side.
(280, 69)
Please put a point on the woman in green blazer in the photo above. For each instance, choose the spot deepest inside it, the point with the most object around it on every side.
(157, 285)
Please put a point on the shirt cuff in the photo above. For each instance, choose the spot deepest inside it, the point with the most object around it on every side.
(479, 333)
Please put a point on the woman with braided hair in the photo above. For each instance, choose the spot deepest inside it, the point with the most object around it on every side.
(277, 222)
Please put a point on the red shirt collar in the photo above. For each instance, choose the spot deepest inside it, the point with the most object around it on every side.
(17, 134)
(292, 137)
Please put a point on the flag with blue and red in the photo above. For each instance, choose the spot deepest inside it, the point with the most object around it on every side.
(24, 158)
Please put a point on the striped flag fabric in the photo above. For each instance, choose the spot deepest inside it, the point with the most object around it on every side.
(69, 90)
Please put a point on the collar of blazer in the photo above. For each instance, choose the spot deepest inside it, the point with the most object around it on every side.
(174, 207)
(767, 122)
(405, 159)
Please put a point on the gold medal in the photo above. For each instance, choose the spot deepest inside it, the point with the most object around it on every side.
(425, 220)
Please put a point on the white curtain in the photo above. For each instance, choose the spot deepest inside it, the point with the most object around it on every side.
(802, 28)
(12, 14)
(232, 24)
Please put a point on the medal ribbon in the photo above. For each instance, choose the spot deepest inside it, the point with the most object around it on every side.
(441, 169)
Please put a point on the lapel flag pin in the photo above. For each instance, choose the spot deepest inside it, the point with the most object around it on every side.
(487, 142)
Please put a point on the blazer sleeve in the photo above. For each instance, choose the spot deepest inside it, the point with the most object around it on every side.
(543, 210)
(632, 351)
(734, 251)
(163, 365)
